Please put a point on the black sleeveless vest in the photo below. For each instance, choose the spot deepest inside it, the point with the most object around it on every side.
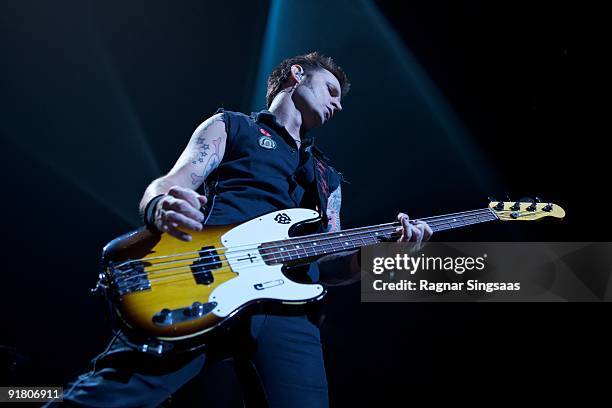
(263, 171)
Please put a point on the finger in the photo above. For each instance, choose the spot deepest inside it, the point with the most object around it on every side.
(177, 233)
(183, 207)
(407, 228)
(427, 231)
(416, 235)
(186, 194)
(203, 199)
(182, 221)
(402, 237)
(421, 232)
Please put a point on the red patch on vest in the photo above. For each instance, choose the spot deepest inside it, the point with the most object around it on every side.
(264, 132)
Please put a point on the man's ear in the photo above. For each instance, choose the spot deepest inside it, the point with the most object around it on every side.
(297, 72)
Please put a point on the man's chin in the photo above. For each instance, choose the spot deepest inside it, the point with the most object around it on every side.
(320, 119)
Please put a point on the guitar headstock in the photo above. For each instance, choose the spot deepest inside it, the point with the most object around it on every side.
(525, 210)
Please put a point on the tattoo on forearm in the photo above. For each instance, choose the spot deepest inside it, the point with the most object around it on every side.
(333, 210)
(212, 161)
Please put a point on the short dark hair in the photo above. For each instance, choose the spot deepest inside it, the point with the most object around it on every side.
(310, 61)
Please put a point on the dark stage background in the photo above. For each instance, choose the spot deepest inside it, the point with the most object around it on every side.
(451, 103)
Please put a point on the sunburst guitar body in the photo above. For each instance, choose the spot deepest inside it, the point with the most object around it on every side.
(175, 291)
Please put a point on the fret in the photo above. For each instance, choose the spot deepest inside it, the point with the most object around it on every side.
(324, 247)
(363, 241)
(299, 250)
(318, 247)
(282, 248)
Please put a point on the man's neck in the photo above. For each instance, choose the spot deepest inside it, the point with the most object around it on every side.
(288, 116)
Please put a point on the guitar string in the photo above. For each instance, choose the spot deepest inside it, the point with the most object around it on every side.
(430, 220)
(171, 279)
(427, 219)
(252, 248)
(306, 239)
(184, 277)
(336, 235)
(224, 263)
(214, 263)
(226, 268)
(316, 244)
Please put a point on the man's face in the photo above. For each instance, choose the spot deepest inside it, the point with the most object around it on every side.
(317, 98)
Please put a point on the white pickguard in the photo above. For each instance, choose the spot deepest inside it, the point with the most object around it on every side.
(256, 280)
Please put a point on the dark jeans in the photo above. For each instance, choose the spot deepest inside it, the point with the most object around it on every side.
(278, 360)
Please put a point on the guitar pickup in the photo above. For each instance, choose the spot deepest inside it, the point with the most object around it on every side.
(207, 262)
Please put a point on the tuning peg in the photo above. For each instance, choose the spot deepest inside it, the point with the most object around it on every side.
(499, 206)
(537, 200)
(533, 205)
(548, 208)
(517, 204)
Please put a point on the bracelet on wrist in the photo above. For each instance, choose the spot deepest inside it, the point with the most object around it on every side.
(149, 213)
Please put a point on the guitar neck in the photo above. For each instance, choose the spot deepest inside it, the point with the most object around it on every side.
(316, 245)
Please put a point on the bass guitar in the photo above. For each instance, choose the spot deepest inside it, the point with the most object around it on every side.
(174, 293)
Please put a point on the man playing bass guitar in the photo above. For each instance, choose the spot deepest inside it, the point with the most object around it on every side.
(235, 168)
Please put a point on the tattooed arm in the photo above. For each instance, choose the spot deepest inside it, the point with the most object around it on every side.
(180, 208)
(341, 268)
(333, 210)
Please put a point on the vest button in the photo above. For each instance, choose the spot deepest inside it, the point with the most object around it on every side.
(292, 150)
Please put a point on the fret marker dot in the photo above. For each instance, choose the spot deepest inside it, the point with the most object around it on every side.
(297, 246)
(454, 219)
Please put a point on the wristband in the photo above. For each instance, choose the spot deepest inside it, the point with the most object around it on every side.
(149, 213)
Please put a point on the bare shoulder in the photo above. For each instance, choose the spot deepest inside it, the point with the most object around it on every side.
(203, 153)
(215, 120)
